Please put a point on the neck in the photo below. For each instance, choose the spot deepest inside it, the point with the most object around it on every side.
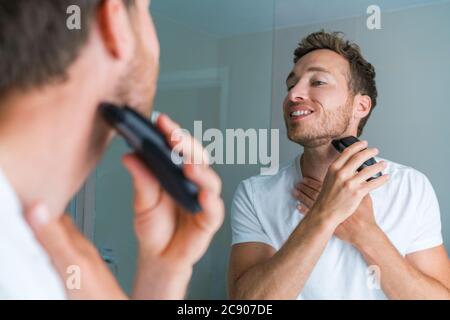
(44, 149)
(315, 161)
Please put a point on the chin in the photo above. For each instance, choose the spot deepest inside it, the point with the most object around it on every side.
(308, 140)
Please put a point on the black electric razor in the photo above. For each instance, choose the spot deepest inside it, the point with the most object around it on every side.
(152, 149)
(342, 144)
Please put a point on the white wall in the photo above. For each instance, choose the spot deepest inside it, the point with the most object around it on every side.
(183, 48)
(249, 61)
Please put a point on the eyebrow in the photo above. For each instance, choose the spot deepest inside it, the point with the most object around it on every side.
(317, 69)
(290, 76)
(310, 69)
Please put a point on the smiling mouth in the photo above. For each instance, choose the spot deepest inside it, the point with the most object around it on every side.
(300, 114)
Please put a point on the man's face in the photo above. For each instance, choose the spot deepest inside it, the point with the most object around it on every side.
(137, 87)
(318, 106)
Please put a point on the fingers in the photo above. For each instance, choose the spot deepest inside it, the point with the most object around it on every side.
(302, 208)
(375, 183)
(147, 188)
(302, 198)
(348, 153)
(213, 212)
(204, 177)
(53, 236)
(307, 190)
(313, 183)
(358, 159)
(370, 171)
(182, 142)
(167, 126)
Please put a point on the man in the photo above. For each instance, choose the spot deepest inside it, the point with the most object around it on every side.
(52, 81)
(349, 239)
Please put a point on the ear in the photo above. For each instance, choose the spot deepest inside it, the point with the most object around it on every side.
(116, 29)
(363, 105)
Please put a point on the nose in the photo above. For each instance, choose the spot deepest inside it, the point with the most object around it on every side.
(298, 93)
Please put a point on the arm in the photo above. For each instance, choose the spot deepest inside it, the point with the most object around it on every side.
(257, 272)
(159, 281)
(421, 275)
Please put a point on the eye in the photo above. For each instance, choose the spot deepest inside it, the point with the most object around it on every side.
(318, 83)
(289, 88)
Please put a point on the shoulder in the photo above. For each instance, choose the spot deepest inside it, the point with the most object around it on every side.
(411, 185)
(406, 175)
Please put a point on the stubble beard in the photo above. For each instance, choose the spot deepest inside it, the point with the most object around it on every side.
(331, 125)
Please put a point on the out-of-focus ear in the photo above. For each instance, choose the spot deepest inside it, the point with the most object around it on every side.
(116, 29)
(363, 106)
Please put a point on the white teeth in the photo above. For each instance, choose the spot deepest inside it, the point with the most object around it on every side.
(300, 113)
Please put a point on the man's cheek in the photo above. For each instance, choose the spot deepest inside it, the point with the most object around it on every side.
(150, 37)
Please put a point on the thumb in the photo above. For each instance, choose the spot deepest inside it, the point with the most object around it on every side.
(51, 234)
(66, 248)
(38, 217)
(146, 186)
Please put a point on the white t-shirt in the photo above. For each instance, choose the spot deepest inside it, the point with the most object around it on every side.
(25, 269)
(264, 210)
